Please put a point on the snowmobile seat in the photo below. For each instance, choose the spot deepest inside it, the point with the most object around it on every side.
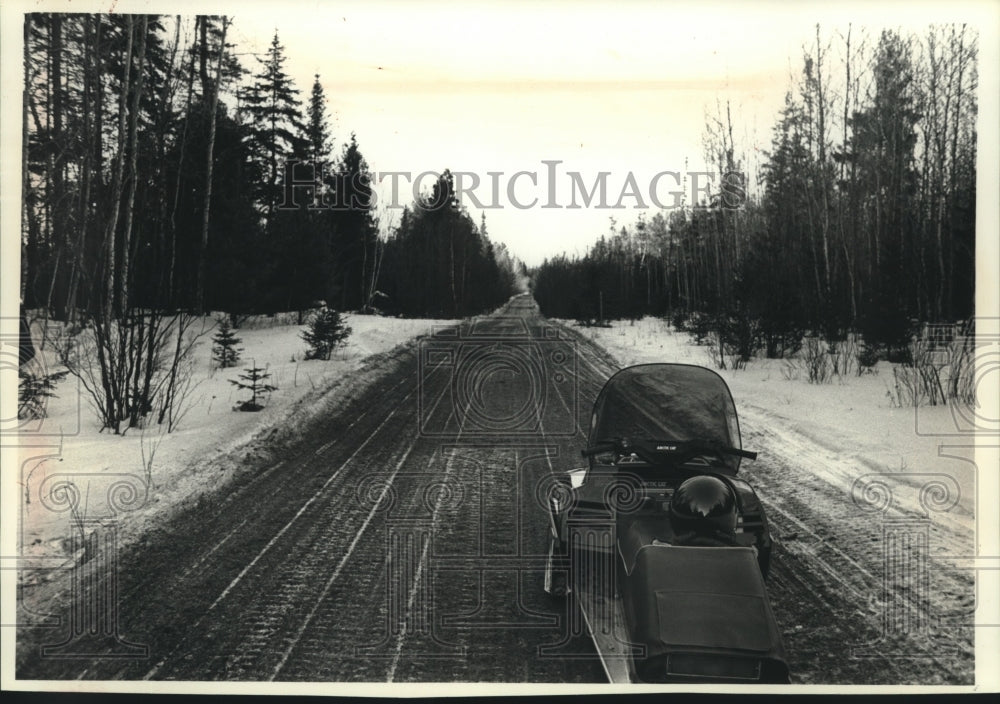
(705, 605)
(643, 531)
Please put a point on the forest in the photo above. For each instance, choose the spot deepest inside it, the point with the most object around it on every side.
(860, 218)
(153, 162)
(153, 197)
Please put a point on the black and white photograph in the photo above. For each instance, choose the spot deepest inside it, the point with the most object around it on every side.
(426, 348)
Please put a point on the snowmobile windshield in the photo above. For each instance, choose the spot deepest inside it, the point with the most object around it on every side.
(668, 402)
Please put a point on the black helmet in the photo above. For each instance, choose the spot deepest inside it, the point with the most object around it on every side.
(703, 504)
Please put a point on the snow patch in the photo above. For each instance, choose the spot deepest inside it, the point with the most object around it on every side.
(163, 469)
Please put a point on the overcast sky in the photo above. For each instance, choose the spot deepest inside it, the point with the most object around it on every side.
(501, 87)
(485, 88)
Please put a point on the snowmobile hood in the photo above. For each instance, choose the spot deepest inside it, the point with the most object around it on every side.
(679, 402)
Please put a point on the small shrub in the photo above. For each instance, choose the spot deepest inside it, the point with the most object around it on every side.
(844, 355)
(961, 386)
(918, 382)
(899, 354)
(738, 361)
(254, 381)
(327, 331)
(741, 337)
(905, 389)
(32, 392)
(238, 320)
(781, 341)
(868, 356)
(817, 361)
(700, 325)
(791, 369)
(715, 352)
(928, 366)
(880, 323)
(679, 319)
(225, 350)
(64, 340)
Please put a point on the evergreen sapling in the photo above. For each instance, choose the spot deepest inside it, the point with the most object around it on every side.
(327, 331)
(224, 348)
(254, 381)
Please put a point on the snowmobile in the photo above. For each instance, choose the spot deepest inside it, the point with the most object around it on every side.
(658, 544)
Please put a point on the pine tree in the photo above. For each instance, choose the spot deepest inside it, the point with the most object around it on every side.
(355, 226)
(326, 332)
(317, 150)
(884, 141)
(276, 124)
(254, 381)
(224, 350)
(317, 131)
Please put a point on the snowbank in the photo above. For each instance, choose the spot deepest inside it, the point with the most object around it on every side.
(166, 469)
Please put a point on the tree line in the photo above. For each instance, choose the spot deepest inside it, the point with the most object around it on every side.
(154, 164)
(154, 191)
(860, 218)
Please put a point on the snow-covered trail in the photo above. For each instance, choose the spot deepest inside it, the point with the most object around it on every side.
(359, 543)
(371, 542)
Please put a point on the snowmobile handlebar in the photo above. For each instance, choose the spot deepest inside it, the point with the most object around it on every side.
(648, 449)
